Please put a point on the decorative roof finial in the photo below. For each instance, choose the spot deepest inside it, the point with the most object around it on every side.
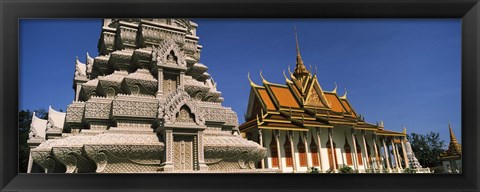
(344, 95)
(286, 78)
(251, 82)
(263, 79)
(335, 90)
(291, 74)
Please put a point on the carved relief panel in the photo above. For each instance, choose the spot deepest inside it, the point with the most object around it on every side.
(183, 157)
(170, 83)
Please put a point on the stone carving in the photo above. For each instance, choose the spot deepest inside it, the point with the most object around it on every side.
(314, 98)
(184, 116)
(190, 46)
(175, 101)
(75, 112)
(89, 65)
(80, 69)
(150, 34)
(130, 106)
(126, 37)
(98, 108)
(107, 42)
(166, 53)
(169, 84)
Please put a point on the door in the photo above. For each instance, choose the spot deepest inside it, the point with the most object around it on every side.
(183, 158)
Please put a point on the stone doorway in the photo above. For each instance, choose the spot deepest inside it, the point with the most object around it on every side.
(184, 157)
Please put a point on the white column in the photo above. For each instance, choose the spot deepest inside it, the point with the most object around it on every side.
(294, 159)
(398, 156)
(319, 148)
(394, 155)
(260, 140)
(376, 151)
(405, 157)
(385, 149)
(279, 152)
(367, 165)
(354, 140)
(334, 158)
(30, 162)
(307, 150)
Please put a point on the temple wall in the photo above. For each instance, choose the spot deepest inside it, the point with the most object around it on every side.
(339, 139)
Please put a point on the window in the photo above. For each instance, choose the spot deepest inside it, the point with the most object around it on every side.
(302, 153)
(359, 153)
(331, 154)
(288, 152)
(274, 152)
(314, 152)
(348, 152)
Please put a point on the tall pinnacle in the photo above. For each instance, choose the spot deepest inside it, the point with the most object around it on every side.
(452, 136)
(454, 147)
(300, 69)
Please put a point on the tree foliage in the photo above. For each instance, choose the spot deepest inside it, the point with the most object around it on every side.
(427, 148)
(24, 121)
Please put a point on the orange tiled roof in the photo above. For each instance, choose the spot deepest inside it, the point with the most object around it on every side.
(335, 102)
(266, 99)
(284, 96)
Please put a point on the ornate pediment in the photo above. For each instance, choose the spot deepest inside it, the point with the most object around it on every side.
(169, 54)
(176, 102)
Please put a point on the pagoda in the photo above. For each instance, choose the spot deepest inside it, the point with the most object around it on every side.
(304, 127)
(452, 157)
(144, 105)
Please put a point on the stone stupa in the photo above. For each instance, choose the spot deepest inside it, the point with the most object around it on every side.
(144, 105)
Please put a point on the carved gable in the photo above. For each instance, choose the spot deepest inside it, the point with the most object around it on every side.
(313, 98)
(176, 106)
(184, 115)
(169, 53)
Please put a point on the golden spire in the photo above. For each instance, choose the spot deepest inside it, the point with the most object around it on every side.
(300, 69)
(454, 148)
(452, 136)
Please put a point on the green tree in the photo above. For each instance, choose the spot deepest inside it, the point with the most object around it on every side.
(427, 148)
(24, 121)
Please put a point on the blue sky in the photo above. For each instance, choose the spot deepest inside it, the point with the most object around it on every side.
(405, 72)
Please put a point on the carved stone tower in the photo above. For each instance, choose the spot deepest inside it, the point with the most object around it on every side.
(146, 104)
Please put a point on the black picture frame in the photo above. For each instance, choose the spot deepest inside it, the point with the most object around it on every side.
(12, 11)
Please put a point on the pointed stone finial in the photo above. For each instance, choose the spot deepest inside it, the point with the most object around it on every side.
(404, 130)
(344, 95)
